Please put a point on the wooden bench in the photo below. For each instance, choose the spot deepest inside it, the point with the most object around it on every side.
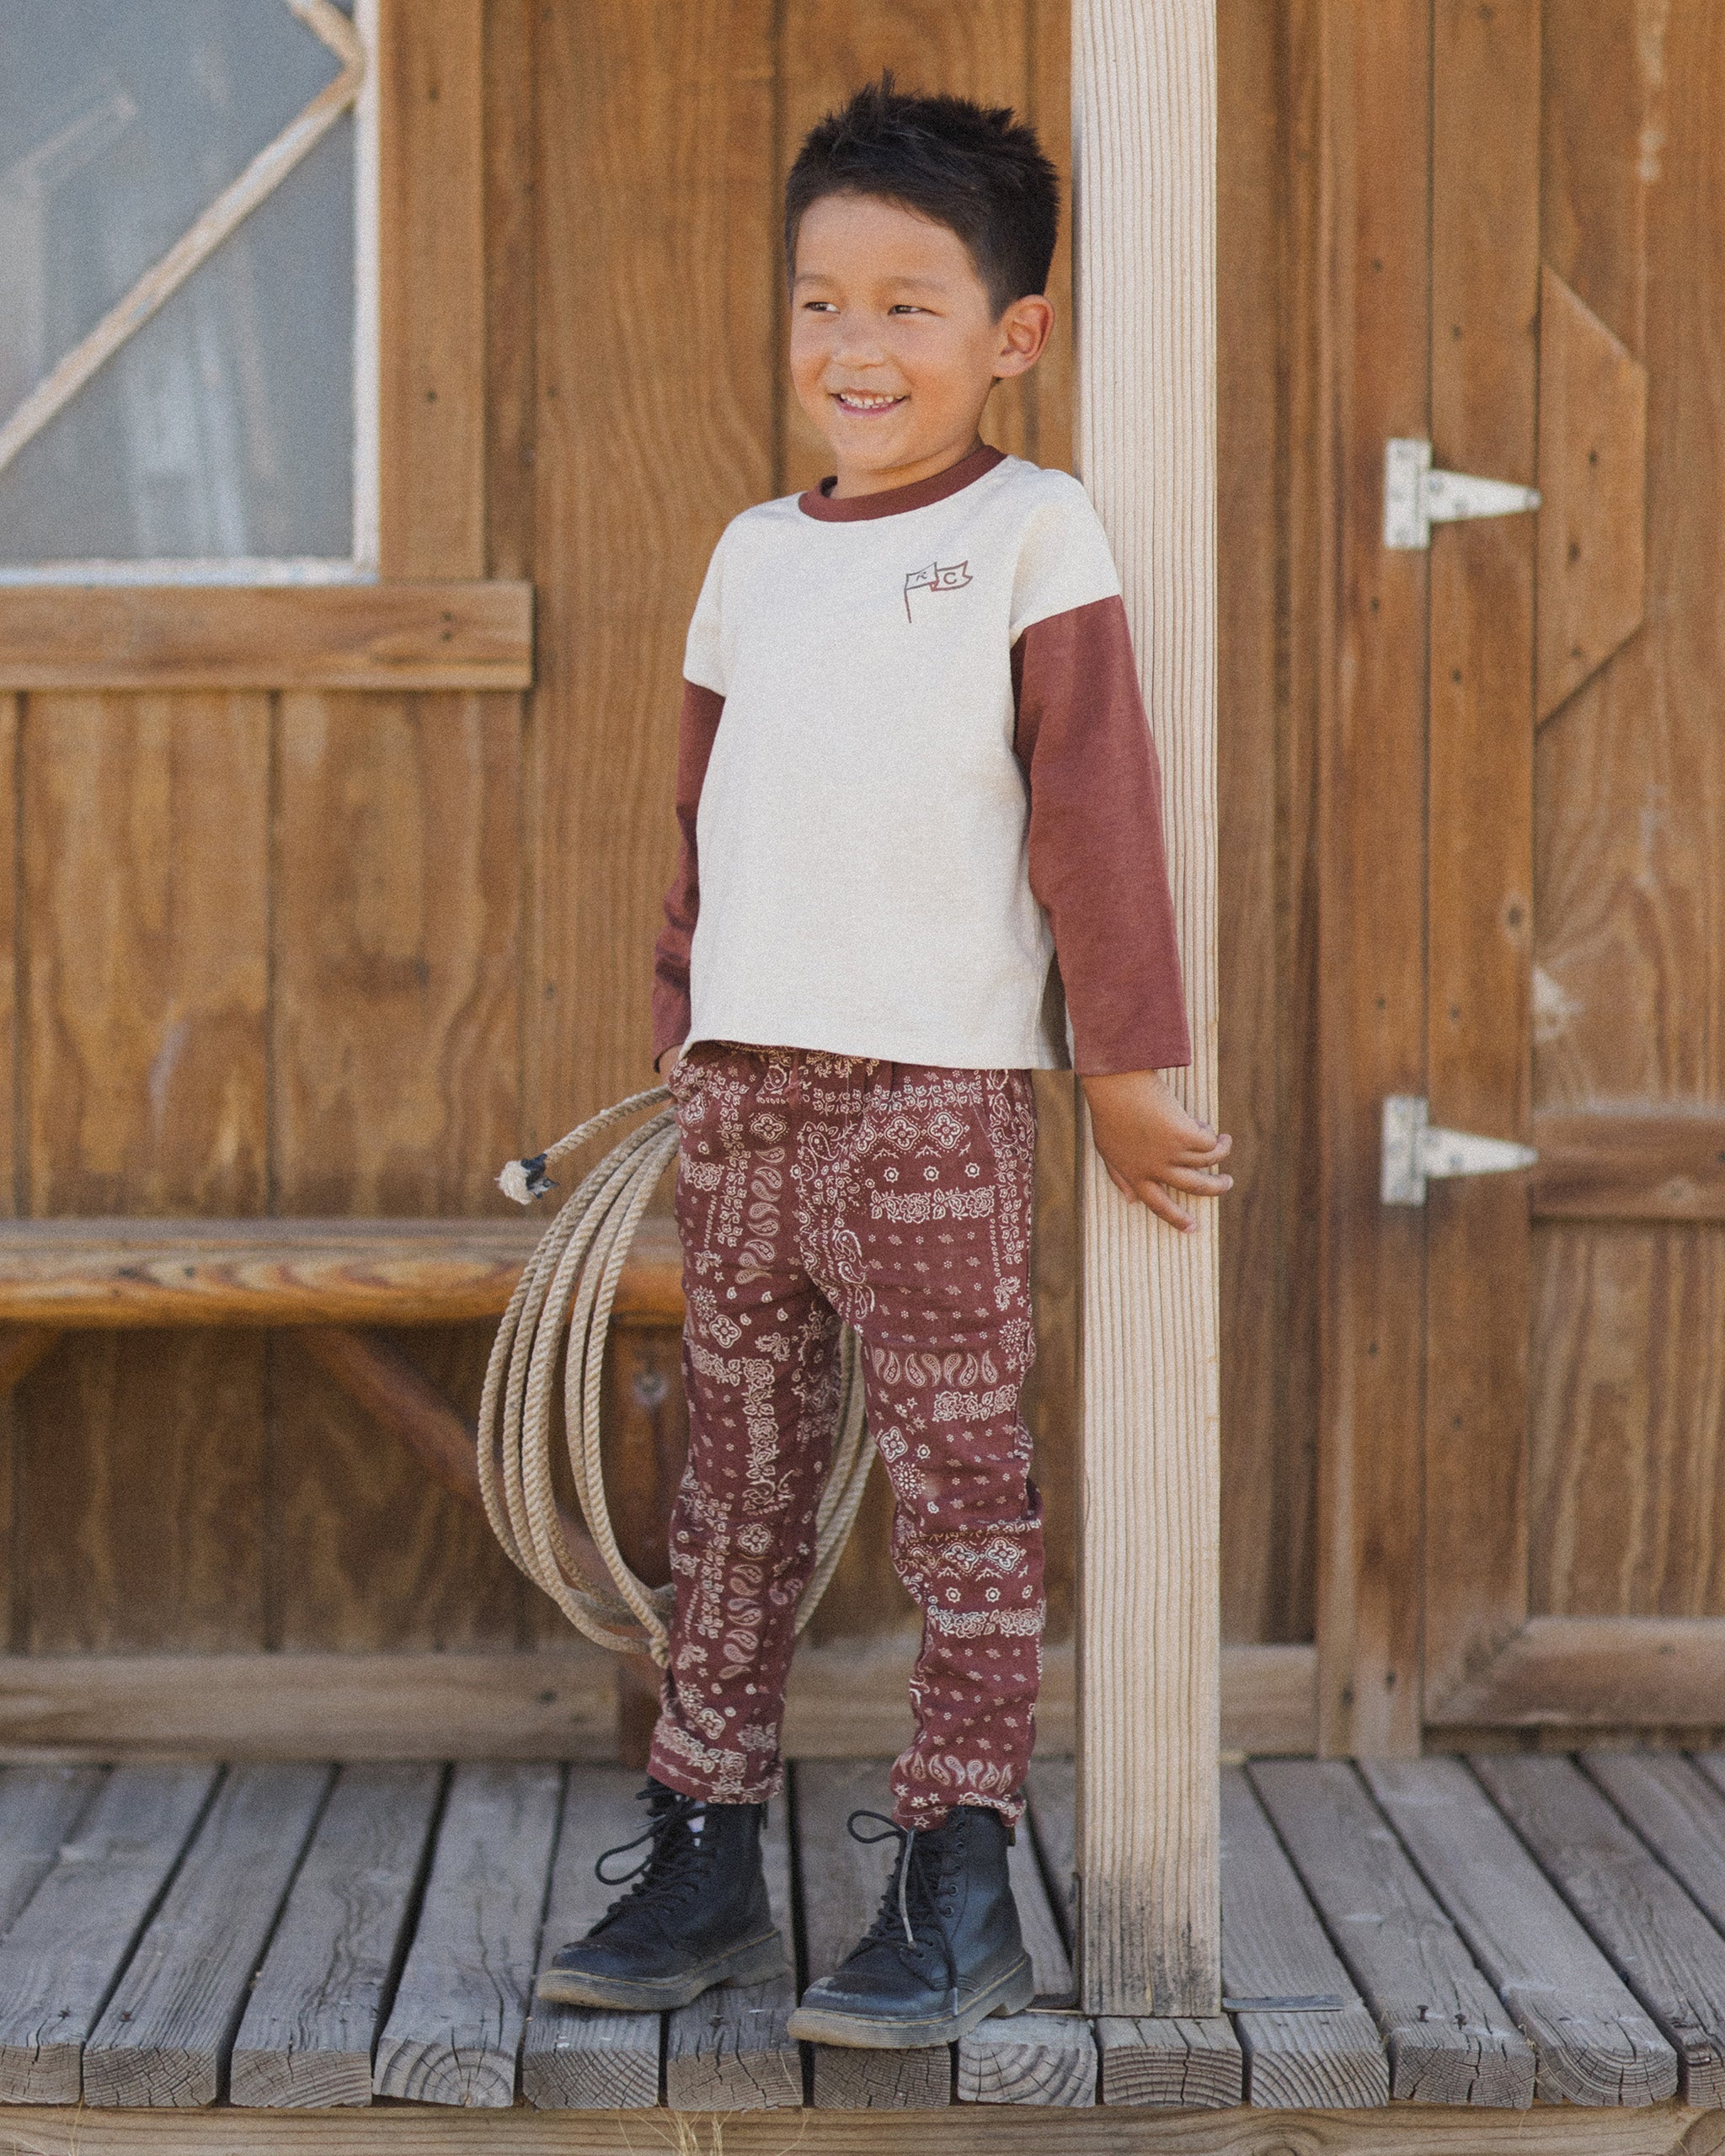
(333, 1281)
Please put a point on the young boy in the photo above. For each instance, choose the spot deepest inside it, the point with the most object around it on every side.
(921, 857)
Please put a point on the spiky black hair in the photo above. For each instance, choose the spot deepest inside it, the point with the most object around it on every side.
(975, 169)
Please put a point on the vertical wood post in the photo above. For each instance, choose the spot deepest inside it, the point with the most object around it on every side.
(1144, 182)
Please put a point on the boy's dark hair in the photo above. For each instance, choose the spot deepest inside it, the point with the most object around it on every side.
(979, 172)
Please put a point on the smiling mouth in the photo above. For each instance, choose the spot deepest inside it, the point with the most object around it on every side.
(867, 403)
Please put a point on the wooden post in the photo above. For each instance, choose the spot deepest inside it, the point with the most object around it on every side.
(1144, 180)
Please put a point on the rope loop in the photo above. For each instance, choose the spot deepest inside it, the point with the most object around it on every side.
(558, 1318)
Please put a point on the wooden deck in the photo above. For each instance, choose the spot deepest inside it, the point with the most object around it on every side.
(1430, 1955)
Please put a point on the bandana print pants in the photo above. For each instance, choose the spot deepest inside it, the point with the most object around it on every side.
(812, 1188)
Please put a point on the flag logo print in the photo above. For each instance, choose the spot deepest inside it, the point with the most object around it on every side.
(936, 577)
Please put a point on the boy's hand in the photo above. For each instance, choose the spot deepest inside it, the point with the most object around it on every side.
(1147, 1141)
(669, 1062)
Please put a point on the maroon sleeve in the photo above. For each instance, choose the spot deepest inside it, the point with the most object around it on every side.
(1097, 862)
(702, 708)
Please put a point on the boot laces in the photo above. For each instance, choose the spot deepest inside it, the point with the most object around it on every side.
(669, 1872)
(911, 1918)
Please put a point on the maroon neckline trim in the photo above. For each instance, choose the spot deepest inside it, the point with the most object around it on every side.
(892, 501)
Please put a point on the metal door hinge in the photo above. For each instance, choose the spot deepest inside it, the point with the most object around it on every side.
(1415, 498)
(1415, 1150)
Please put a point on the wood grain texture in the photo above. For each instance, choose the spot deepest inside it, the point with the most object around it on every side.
(1033, 2058)
(554, 1704)
(1267, 1425)
(509, 147)
(204, 637)
(655, 269)
(1170, 2064)
(431, 287)
(1411, 2130)
(1629, 784)
(1051, 1788)
(165, 2033)
(729, 2051)
(1598, 1672)
(1052, 403)
(119, 1272)
(144, 824)
(1373, 145)
(1629, 1383)
(395, 1024)
(62, 1956)
(1144, 180)
(454, 2029)
(38, 1809)
(1449, 2040)
(1592, 478)
(367, 1554)
(1649, 1929)
(139, 1517)
(312, 2022)
(1624, 1164)
(841, 1882)
(396, 1033)
(1485, 302)
(1592, 2040)
(1274, 1947)
(575, 2058)
(1676, 1810)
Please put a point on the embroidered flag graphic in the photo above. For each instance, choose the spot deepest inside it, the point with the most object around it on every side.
(936, 577)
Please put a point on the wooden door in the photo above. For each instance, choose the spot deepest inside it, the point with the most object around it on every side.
(1523, 910)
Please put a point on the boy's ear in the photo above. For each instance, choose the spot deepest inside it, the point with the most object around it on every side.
(1024, 330)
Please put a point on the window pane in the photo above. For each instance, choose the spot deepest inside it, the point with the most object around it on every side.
(224, 426)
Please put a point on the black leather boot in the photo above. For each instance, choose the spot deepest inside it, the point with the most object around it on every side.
(697, 1914)
(944, 1951)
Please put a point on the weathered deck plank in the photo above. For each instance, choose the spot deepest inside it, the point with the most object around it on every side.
(1593, 2043)
(1169, 2065)
(580, 2059)
(1651, 1932)
(1052, 1786)
(39, 1807)
(461, 2007)
(64, 1953)
(842, 1881)
(1033, 2057)
(730, 2051)
(1449, 2038)
(163, 2036)
(1406, 2130)
(309, 2034)
(1677, 1811)
(1308, 2039)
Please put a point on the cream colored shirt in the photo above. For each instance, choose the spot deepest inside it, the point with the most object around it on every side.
(862, 824)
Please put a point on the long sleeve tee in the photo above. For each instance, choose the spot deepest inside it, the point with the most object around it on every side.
(918, 800)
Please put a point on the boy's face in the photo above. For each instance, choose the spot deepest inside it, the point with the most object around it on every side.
(894, 344)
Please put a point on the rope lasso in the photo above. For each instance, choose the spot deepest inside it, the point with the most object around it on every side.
(565, 1292)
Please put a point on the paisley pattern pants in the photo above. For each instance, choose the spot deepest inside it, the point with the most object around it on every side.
(896, 1197)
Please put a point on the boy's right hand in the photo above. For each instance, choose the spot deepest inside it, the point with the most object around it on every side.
(671, 1058)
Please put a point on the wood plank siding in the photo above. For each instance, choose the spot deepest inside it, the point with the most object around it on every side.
(275, 946)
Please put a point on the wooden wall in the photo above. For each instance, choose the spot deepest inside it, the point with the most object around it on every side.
(311, 952)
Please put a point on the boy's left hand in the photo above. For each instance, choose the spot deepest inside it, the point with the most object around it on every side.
(1149, 1144)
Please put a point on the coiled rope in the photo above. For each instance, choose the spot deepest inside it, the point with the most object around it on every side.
(565, 1293)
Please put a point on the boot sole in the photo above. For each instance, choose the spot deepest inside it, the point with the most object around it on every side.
(752, 1962)
(1009, 1993)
